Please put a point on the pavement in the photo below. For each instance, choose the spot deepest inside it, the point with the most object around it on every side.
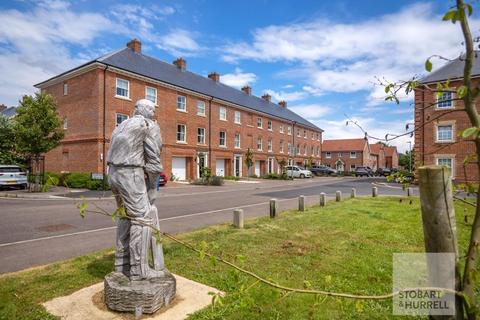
(38, 231)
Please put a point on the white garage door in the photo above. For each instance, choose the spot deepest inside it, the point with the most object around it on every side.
(220, 168)
(257, 168)
(179, 168)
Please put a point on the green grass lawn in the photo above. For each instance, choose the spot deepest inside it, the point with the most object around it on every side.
(344, 247)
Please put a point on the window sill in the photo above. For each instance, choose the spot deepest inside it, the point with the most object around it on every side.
(223, 120)
(123, 98)
(181, 142)
(237, 148)
(270, 129)
(445, 108)
(224, 147)
(201, 144)
(445, 141)
(202, 115)
(184, 111)
(237, 122)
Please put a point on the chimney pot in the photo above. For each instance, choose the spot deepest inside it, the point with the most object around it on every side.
(135, 45)
(247, 90)
(214, 76)
(181, 63)
(267, 97)
(283, 103)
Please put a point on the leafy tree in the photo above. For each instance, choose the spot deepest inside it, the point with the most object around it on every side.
(248, 160)
(37, 128)
(7, 143)
(404, 160)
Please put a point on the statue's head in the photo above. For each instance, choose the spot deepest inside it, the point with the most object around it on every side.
(145, 108)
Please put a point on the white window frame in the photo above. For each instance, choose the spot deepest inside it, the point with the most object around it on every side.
(120, 114)
(313, 135)
(318, 151)
(281, 128)
(328, 155)
(179, 132)
(450, 157)
(305, 151)
(224, 145)
(259, 122)
(444, 124)
(305, 134)
(289, 130)
(339, 154)
(65, 89)
(298, 149)
(289, 147)
(353, 155)
(298, 132)
(237, 117)
(269, 125)
(222, 113)
(199, 103)
(353, 167)
(201, 135)
(117, 87)
(184, 103)
(259, 143)
(440, 100)
(155, 96)
(270, 145)
(237, 142)
(65, 123)
(281, 146)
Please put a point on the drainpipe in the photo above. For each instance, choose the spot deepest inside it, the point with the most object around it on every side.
(293, 145)
(210, 133)
(104, 167)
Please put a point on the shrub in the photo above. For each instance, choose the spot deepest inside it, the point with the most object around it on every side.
(273, 176)
(216, 181)
(254, 176)
(97, 185)
(231, 178)
(199, 182)
(77, 180)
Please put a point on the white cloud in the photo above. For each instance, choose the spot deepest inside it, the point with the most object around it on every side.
(313, 91)
(337, 129)
(346, 57)
(238, 78)
(287, 96)
(179, 43)
(310, 111)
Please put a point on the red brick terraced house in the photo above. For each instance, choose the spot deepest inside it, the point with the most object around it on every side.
(439, 121)
(346, 154)
(377, 156)
(204, 123)
(391, 157)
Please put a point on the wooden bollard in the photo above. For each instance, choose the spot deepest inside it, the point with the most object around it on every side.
(301, 203)
(338, 196)
(273, 208)
(323, 199)
(409, 192)
(374, 192)
(353, 194)
(238, 218)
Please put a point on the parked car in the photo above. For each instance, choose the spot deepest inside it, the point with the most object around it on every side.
(383, 172)
(370, 170)
(298, 172)
(362, 172)
(323, 170)
(12, 176)
(162, 179)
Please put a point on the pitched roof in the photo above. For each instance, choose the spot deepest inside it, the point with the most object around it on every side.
(453, 70)
(376, 147)
(129, 60)
(344, 145)
(389, 151)
(9, 112)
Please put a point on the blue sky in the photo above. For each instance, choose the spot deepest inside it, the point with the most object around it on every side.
(322, 57)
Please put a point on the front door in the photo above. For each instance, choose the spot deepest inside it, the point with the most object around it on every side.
(340, 166)
(257, 168)
(201, 163)
(237, 167)
(270, 165)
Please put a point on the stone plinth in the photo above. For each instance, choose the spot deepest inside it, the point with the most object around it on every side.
(121, 294)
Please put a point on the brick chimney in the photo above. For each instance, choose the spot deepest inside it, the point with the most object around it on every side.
(247, 90)
(267, 97)
(283, 103)
(135, 45)
(180, 63)
(214, 76)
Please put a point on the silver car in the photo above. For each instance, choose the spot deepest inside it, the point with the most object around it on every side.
(298, 172)
(12, 176)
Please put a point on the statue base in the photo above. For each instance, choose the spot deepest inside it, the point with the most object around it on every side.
(140, 296)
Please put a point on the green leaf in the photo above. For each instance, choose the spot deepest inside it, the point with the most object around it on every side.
(82, 207)
(469, 8)
(470, 131)
(450, 15)
(307, 284)
(428, 65)
(462, 91)
(328, 279)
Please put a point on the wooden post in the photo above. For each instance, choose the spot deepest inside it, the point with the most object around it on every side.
(354, 193)
(338, 196)
(301, 203)
(374, 192)
(438, 217)
(238, 218)
(273, 208)
(323, 199)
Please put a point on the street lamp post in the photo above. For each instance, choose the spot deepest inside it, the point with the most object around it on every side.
(410, 156)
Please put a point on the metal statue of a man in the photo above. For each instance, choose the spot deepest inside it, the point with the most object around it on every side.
(134, 165)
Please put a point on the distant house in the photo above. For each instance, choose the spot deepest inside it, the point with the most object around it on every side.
(391, 157)
(346, 154)
(8, 112)
(377, 155)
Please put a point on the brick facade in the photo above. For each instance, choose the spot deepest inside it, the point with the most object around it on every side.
(82, 107)
(346, 154)
(429, 149)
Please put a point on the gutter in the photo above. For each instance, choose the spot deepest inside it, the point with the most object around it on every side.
(210, 132)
